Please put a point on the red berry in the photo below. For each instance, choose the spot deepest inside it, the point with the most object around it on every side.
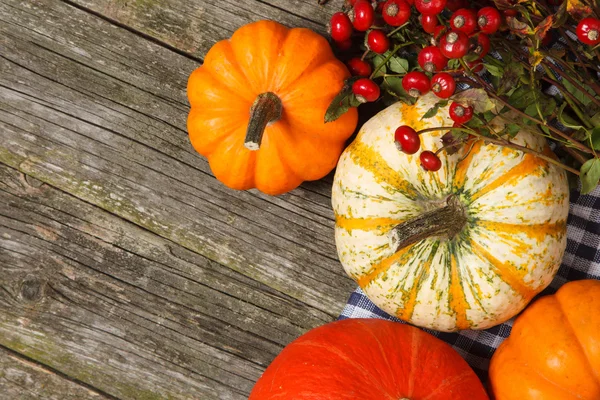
(431, 59)
(460, 113)
(415, 83)
(454, 5)
(365, 90)
(407, 139)
(464, 20)
(510, 12)
(443, 85)
(363, 15)
(454, 44)
(588, 31)
(429, 22)
(345, 45)
(482, 44)
(340, 27)
(359, 67)
(488, 19)
(430, 7)
(396, 12)
(430, 161)
(410, 2)
(378, 41)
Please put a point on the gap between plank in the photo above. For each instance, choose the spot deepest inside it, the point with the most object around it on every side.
(53, 371)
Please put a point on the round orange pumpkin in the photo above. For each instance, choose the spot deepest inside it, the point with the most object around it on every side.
(258, 107)
(553, 352)
(368, 359)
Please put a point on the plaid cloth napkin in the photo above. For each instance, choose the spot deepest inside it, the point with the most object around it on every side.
(581, 261)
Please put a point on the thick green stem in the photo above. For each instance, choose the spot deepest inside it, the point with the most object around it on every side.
(266, 109)
(446, 221)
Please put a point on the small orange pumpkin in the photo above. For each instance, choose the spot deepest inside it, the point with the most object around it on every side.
(553, 352)
(258, 107)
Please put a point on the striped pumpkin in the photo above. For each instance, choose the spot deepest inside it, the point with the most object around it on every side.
(466, 247)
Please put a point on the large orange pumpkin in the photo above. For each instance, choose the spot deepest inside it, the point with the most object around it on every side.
(553, 352)
(368, 359)
(258, 108)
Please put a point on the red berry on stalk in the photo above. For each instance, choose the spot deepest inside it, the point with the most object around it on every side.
(396, 12)
(454, 5)
(363, 15)
(488, 20)
(454, 44)
(431, 59)
(340, 27)
(359, 67)
(476, 66)
(429, 22)
(588, 31)
(460, 113)
(365, 90)
(415, 83)
(407, 139)
(464, 20)
(378, 41)
(481, 45)
(430, 7)
(443, 85)
(430, 161)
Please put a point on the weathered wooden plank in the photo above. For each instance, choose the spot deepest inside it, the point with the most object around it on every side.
(74, 116)
(194, 26)
(116, 307)
(21, 379)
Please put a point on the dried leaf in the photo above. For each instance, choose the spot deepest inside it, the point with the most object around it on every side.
(342, 102)
(477, 98)
(543, 27)
(536, 58)
(518, 27)
(578, 8)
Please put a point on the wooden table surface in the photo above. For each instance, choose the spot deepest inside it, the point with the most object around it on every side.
(126, 270)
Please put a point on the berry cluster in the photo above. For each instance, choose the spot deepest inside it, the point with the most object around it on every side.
(442, 42)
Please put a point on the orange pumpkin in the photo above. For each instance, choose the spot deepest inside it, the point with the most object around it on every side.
(258, 107)
(553, 352)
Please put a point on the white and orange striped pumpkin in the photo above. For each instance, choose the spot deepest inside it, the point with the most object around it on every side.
(466, 247)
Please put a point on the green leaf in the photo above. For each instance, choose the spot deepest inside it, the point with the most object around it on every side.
(590, 175)
(512, 129)
(453, 63)
(488, 116)
(595, 138)
(398, 65)
(494, 70)
(578, 94)
(341, 102)
(434, 110)
(522, 97)
(531, 110)
(377, 61)
(393, 86)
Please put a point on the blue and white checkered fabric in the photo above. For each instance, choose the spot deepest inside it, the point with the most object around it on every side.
(581, 261)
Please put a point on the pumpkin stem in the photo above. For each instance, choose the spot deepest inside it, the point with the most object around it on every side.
(265, 110)
(446, 221)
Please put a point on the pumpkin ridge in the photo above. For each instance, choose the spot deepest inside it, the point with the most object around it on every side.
(372, 161)
(503, 271)
(595, 372)
(409, 301)
(349, 361)
(532, 231)
(382, 266)
(460, 172)
(457, 299)
(527, 166)
(415, 340)
(366, 223)
(448, 383)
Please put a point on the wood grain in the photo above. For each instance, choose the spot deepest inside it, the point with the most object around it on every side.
(115, 306)
(193, 26)
(112, 142)
(21, 379)
(126, 270)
